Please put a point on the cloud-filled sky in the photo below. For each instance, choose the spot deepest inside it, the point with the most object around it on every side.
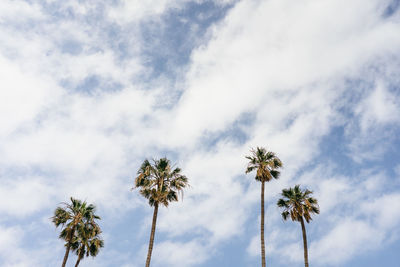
(89, 89)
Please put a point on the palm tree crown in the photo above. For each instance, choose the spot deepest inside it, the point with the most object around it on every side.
(298, 204)
(73, 218)
(159, 182)
(265, 162)
(87, 241)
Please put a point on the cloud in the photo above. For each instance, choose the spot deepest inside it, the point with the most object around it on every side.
(384, 210)
(16, 190)
(353, 236)
(376, 114)
(132, 11)
(380, 107)
(179, 254)
(9, 241)
(23, 97)
(14, 253)
(295, 52)
(346, 239)
(19, 10)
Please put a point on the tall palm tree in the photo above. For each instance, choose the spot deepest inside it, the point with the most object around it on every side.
(160, 183)
(267, 164)
(87, 241)
(72, 217)
(299, 205)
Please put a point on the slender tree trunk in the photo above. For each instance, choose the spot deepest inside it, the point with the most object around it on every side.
(262, 226)
(78, 261)
(68, 246)
(153, 230)
(66, 254)
(303, 229)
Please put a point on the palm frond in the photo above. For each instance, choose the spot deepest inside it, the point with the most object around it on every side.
(160, 182)
(298, 204)
(266, 163)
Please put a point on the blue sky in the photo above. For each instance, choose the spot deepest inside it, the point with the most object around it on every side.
(92, 88)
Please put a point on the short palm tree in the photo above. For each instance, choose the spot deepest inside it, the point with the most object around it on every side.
(87, 241)
(299, 205)
(160, 183)
(72, 217)
(266, 163)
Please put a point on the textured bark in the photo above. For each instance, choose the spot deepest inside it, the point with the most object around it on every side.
(78, 261)
(303, 229)
(68, 247)
(153, 230)
(66, 254)
(262, 226)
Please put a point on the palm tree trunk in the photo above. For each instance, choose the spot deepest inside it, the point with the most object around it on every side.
(78, 261)
(262, 226)
(303, 228)
(71, 234)
(66, 254)
(153, 230)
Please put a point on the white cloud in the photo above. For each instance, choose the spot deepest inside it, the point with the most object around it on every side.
(132, 11)
(18, 10)
(379, 108)
(179, 254)
(279, 50)
(385, 211)
(13, 252)
(377, 115)
(75, 137)
(10, 238)
(346, 238)
(254, 247)
(23, 96)
(17, 190)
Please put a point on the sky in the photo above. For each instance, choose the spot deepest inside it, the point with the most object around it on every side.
(89, 89)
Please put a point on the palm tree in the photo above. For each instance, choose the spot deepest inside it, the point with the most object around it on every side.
(87, 241)
(267, 164)
(160, 183)
(72, 217)
(299, 205)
